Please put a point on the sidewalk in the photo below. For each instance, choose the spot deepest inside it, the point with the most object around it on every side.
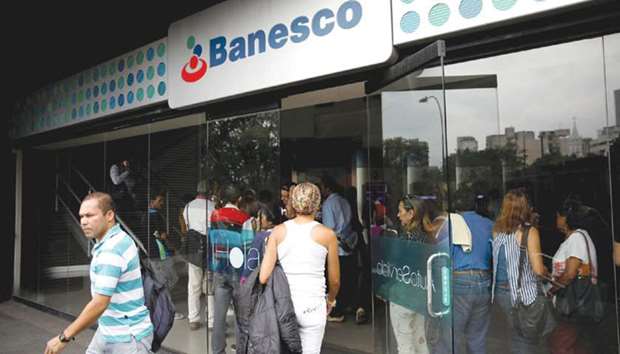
(26, 330)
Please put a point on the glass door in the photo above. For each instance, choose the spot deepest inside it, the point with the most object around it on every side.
(407, 207)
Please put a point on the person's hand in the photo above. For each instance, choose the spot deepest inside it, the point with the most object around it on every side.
(330, 306)
(126, 163)
(54, 346)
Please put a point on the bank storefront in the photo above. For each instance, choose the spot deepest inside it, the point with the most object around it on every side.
(447, 103)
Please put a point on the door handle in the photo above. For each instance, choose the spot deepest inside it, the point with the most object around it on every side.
(445, 288)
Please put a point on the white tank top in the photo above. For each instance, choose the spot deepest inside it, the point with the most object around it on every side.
(303, 260)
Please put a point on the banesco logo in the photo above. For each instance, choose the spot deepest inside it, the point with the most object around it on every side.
(196, 68)
(321, 24)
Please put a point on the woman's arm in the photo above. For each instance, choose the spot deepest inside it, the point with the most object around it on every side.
(333, 267)
(534, 252)
(271, 254)
(570, 273)
(617, 253)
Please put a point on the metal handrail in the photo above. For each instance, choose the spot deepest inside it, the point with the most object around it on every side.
(90, 186)
(69, 188)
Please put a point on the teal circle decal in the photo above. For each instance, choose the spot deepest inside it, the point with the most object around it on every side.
(130, 60)
(191, 41)
(140, 94)
(161, 88)
(150, 91)
(410, 22)
(161, 50)
(139, 57)
(150, 73)
(504, 5)
(439, 14)
(470, 8)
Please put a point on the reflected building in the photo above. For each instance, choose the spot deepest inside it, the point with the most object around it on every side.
(467, 143)
(524, 143)
(599, 146)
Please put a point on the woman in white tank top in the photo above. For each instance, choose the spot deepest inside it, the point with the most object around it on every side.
(302, 245)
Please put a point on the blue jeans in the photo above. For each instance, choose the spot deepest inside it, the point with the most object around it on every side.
(519, 344)
(471, 312)
(99, 346)
(226, 286)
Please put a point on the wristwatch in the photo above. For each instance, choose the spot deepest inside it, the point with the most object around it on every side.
(64, 339)
(331, 303)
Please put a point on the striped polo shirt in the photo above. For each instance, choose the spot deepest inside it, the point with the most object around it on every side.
(115, 272)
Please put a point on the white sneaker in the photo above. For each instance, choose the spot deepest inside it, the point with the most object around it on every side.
(178, 316)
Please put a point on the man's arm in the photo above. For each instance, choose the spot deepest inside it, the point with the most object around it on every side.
(91, 312)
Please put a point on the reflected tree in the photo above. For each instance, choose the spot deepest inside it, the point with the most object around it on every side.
(244, 151)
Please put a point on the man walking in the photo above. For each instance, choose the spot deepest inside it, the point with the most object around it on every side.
(116, 287)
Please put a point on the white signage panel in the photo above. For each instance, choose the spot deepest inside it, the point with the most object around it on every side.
(238, 47)
(414, 20)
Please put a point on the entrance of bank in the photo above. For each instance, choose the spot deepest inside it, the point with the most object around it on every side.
(383, 149)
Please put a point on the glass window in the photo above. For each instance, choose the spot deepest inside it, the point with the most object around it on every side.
(544, 125)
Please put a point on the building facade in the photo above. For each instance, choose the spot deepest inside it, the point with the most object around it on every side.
(390, 98)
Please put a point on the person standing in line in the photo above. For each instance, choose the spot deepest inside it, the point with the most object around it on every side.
(576, 257)
(116, 287)
(302, 246)
(408, 325)
(196, 216)
(514, 218)
(471, 282)
(283, 212)
(337, 215)
(229, 234)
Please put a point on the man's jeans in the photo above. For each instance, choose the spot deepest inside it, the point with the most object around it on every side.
(99, 346)
(226, 286)
(471, 305)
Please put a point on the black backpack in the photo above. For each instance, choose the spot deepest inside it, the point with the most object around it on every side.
(159, 302)
(156, 298)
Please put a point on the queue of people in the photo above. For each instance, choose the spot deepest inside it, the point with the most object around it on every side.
(241, 232)
(497, 263)
(245, 238)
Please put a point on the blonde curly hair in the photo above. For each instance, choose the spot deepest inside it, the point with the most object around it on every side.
(305, 198)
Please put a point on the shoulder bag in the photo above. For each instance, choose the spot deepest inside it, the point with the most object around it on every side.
(582, 299)
(535, 320)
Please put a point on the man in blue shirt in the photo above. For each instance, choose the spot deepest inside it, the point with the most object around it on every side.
(471, 285)
(116, 286)
(336, 214)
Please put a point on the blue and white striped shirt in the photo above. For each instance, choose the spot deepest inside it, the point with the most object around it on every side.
(115, 272)
(529, 282)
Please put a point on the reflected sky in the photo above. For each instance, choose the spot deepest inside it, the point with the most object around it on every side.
(539, 89)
